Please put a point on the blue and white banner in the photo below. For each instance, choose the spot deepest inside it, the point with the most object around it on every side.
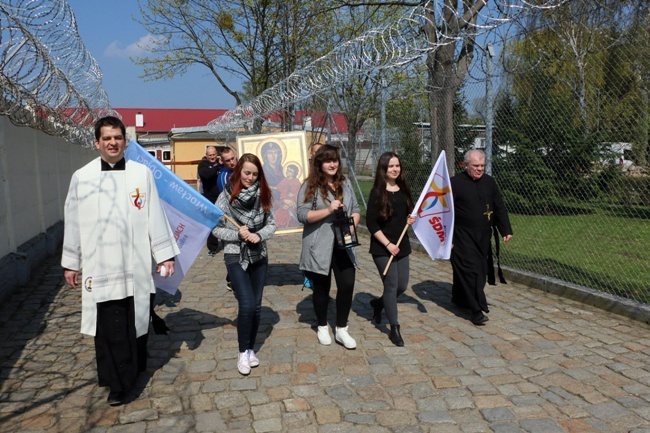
(434, 212)
(191, 216)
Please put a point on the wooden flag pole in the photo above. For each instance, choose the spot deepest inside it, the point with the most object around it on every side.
(398, 242)
(232, 221)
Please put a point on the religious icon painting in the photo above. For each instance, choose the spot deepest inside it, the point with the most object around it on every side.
(285, 161)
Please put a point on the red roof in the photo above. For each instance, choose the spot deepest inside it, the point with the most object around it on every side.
(318, 120)
(164, 119)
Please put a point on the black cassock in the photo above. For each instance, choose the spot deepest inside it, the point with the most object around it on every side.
(478, 206)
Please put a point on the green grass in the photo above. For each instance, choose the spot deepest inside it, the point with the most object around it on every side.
(600, 251)
(603, 248)
(366, 186)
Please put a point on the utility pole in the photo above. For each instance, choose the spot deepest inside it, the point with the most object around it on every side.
(382, 140)
(329, 121)
(489, 115)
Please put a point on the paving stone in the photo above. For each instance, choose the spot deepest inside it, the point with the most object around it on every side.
(541, 425)
(498, 414)
(296, 405)
(354, 418)
(267, 425)
(436, 417)
(267, 411)
(359, 380)
(247, 384)
(339, 392)
(328, 415)
(459, 403)
(608, 411)
(209, 422)
(539, 365)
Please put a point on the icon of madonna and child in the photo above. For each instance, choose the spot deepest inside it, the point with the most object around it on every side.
(283, 179)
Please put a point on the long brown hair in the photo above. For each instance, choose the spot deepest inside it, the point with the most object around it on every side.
(237, 186)
(383, 202)
(317, 180)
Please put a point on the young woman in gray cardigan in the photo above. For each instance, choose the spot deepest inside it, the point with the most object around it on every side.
(321, 195)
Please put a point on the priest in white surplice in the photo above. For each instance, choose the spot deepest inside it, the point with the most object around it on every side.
(116, 232)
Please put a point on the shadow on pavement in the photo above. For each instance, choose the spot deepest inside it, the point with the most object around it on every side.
(268, 320)
(440, 294)
(22, 318)
(186, 331)
(361, 306)
(284, 274)
(306, 314)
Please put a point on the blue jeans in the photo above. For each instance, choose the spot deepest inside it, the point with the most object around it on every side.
(248, 286)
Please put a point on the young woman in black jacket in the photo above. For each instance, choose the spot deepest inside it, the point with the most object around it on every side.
(389, 207)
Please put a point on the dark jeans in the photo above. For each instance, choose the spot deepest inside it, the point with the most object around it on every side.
(344, 274)
(248, 286)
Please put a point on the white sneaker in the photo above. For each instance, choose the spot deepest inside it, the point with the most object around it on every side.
(324, 336)
(243, 363)
(252, 359)
(344, 338)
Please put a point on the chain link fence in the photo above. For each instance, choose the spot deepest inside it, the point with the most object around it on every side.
(569, 122)
(561, 107)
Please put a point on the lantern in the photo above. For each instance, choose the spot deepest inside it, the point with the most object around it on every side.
(344, 230)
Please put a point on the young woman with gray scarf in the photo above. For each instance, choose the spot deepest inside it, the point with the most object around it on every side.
(247, 224)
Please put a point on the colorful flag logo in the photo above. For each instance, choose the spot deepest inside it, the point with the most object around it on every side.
(434, 212)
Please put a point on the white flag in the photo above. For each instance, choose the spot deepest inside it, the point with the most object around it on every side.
(434, 212)
(191, 216)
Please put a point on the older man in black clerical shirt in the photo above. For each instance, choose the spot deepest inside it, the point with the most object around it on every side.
(478, 206)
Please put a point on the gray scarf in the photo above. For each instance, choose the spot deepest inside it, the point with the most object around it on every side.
(247, 210)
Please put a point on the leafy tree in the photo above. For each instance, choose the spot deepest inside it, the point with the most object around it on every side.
(258, 41)
(585, 46)
(401, 116)
(359, 98)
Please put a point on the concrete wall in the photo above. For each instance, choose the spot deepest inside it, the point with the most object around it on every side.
(35, 169)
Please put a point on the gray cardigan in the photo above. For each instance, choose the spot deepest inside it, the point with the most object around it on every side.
(318, 237)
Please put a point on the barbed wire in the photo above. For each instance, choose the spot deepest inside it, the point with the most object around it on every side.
(390, 46)
(49, 80)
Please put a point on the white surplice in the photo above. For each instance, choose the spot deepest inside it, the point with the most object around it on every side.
(114, 225)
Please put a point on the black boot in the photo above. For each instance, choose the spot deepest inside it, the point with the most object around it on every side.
(395, 336)
(478, 318)
(377, 305)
